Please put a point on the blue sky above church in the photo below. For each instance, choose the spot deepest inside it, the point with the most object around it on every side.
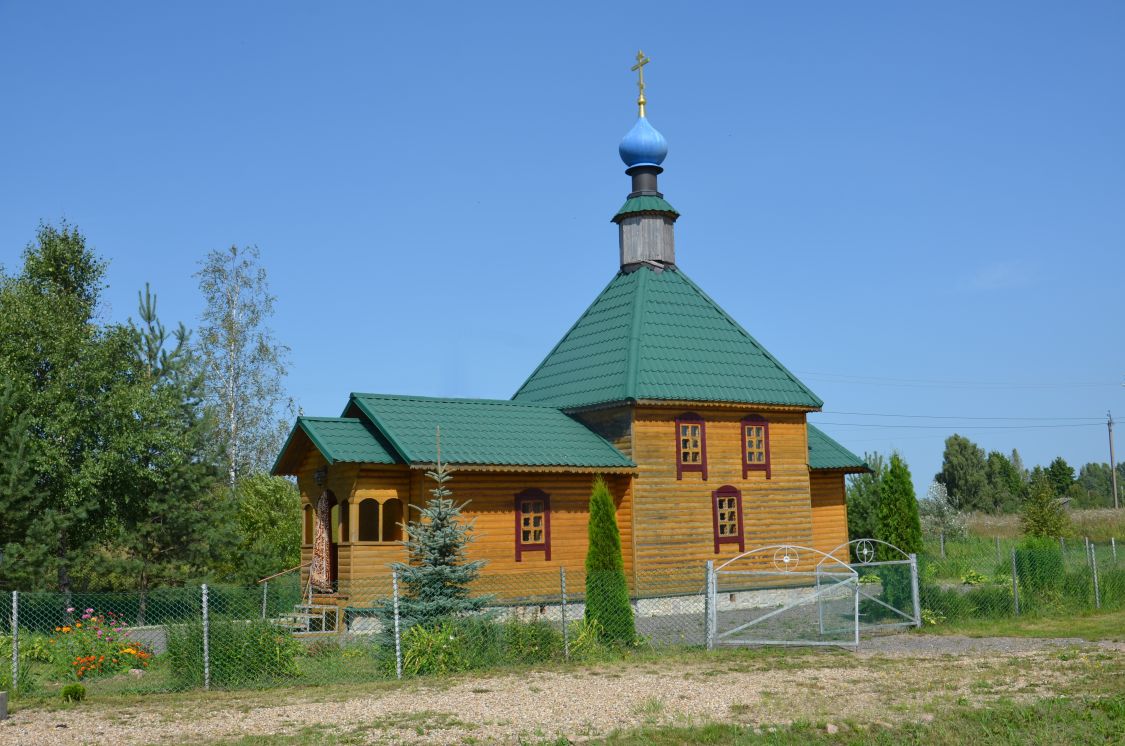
(933, 194)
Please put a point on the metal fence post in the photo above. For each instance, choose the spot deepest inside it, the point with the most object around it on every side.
(710, 614)
(1113, 546)
(206, 642)
(914, 590)
(15, 642)
(999, 556)
(1015, 584)
(566, 632)
(265, 596)
(1094, 575)
(855, 611)
(398, 629)
(941, 537)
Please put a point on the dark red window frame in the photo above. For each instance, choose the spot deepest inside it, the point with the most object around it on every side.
(529, 495)
(756, 421)
(693, 419)
(728, 491)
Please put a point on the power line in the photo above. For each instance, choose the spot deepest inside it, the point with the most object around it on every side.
(957, 427)
(925, 382)
(966, 417)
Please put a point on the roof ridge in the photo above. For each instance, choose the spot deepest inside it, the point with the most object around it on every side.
(567, 334)
(327, 419)
(750, 337)
(457, 399)
(632, 363)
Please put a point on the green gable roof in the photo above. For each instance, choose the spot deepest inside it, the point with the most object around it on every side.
(485, 431)
(825, 453)
(339, 439)
(655, 335)
(645, 204)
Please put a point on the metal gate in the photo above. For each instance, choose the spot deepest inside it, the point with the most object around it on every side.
(782, 594)
(886, 589)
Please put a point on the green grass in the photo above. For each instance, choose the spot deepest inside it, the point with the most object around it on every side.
(1060, 720)
(1103, 626)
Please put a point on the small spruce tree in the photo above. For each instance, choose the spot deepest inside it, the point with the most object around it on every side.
(1043, 513)
(435, 582)
(607, 592)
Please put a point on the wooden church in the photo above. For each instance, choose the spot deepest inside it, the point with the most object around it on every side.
(700, 433)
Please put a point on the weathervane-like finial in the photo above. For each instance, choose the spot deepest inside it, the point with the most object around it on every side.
(639, 68)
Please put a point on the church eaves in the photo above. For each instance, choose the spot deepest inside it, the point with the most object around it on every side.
(652, 334)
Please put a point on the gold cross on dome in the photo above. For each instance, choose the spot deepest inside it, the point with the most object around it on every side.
(639, 68)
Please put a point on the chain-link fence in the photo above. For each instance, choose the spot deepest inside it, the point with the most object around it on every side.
(975, 578)
(283, 632)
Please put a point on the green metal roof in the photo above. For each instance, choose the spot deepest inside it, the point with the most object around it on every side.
(339, 439)
(485, 431)
(825, 453)
(655, 335)
(645, 204)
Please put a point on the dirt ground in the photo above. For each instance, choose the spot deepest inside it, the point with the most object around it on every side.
(892, 679)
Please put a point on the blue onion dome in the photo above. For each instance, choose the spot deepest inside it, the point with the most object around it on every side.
(643, 146)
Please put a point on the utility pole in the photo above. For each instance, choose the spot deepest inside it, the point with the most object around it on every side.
(1112, 464)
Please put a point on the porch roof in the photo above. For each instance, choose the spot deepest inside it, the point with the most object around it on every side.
(339, 440)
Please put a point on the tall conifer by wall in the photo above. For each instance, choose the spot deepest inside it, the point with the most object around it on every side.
(607, 592)
(435, 582)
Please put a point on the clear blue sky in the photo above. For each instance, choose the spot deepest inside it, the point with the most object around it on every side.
(875, 190)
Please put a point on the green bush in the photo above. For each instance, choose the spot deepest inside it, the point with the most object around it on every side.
(73, 693)
(531, 642)
(1039, 563)
(242, 652)
(435, 649)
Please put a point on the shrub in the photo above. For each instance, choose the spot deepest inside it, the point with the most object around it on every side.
(531, 642)
(73, 693)
(972, 577)
(241, 652)
(1039, 564)
(1043, 513)
(435, 649)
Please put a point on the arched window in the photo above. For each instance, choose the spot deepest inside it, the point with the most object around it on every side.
(726, 514)
(344, 522)
(392, 517)
(533, 523)
(308, 524)
(369, 520)
(691, 445)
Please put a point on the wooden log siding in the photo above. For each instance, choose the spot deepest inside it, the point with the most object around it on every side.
(673, 520)
(829, 512)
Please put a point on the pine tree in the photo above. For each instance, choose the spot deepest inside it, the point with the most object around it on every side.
(898, 524)
(436, 580)
(607, 591)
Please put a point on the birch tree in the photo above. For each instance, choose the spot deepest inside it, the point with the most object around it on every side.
(242, 362)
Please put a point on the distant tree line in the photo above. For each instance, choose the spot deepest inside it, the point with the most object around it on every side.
(130, 456)
(994, 483)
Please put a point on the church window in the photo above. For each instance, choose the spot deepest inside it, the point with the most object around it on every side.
(392, 520)
(691, 445)
(755, 445)
(369, 520)
(726, 513)
(308, 524)
(533, 523)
